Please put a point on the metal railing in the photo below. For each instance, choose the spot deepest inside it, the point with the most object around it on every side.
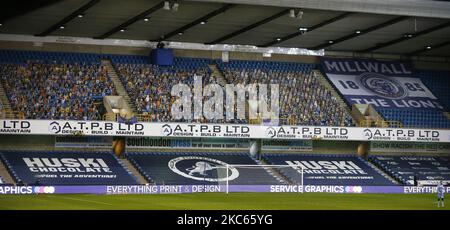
(380, 123)
(8, 113)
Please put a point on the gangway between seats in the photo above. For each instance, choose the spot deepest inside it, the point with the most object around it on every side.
(366, 116)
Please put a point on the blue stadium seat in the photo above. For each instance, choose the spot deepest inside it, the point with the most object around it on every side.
(416, 118)
(199, 168)
(438, 82)
(425, 168)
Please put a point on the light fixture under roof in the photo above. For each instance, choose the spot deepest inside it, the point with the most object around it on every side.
(428, 47)
(408, 35)
(331, 41)
(1, 24)
(80, 15)
(180, 33)
(278, 39)
(62, 27)
(145, 19)
(122, 30)
(358, 32)
(203, 22)
(303, 29)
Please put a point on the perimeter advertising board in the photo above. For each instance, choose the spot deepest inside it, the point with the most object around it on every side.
(229, 131)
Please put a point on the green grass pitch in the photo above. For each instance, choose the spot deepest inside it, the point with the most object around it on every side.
(221, 201)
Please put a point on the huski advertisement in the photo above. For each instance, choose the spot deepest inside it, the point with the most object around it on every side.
(67, 168)
(383, 84)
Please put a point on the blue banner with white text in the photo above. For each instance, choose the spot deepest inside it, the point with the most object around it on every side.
(383, 84)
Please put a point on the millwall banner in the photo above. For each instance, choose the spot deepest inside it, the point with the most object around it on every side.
(383, 84)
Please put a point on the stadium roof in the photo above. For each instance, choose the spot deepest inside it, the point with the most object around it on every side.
(408, 27)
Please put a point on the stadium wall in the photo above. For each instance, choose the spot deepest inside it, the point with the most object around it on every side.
(28, 142)
(38, 142)
(12, 141)
(48, 142)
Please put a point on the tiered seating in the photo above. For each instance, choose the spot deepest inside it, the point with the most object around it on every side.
(303, 99)
(199, 168)
(439, 83)
(126, 59)
(427, 169)
(66, 168)
(265, 66)
(54, 85)
(417, 118)
(21, 57)
(328, 169)
(150, 85)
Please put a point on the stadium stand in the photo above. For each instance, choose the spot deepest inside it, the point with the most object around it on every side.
(438, 82)
(66, 168)
(329, 169)
(127, 59)
(24, 56)
(198, 168)
(417, 118)
(78, 82)
(405, 168)
(303, 99)
(39, 87)
(150, 85)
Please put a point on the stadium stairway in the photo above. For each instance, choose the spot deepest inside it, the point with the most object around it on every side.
(7, 179)
(382, 172)
(215, 72)
(140, 178)
(118, 84)
(275, 172)
(4, 104)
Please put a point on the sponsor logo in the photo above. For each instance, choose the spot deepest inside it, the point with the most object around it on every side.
(54, 127)
(166, 130)
(271, 132)
(368, 134)
(50, 166)
(382, 86)
(353, 189)
(342, 169)
(203, 169)
(44, 189)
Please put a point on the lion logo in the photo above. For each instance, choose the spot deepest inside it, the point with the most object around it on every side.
(382, 86)
(201, 168)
